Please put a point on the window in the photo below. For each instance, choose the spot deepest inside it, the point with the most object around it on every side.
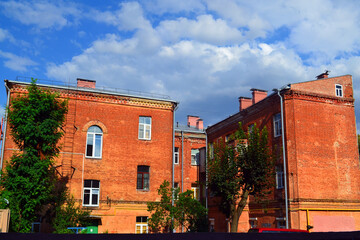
(279, 178)
(196, 191)
(91, 193)
(338, 90)
(143, 179)
(280, 223)
(253, 223)
(195, 155)
(212, 224)
(227, 138)
(176, 155)
(251, 128)
(277, 125)
(94, 142)
(211, 150)
(141, 225)
(145, 128)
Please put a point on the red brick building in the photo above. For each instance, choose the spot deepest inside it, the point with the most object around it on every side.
(116, 151)
(320, 150)
(190, 139)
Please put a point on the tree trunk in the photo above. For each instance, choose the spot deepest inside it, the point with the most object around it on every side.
(238, 211)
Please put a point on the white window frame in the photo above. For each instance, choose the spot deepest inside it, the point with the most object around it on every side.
(144, 127)
(339, 90)
(195, 157)
(142, 226)
(196, 192)
(277, 125)
(94, 134)
(176, 155)
(279, 178)
(92, 191)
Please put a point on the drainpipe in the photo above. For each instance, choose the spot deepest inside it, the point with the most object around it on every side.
(284, 151)
(5, 125)
(182, 161)
(173, 159)
(206, 170)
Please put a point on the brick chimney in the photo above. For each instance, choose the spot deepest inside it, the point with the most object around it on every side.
(258, 95)
(85, 83)
(200, 124)
(244, 102)
(195, 121)
(323, 75)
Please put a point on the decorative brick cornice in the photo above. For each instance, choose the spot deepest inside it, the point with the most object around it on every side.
(102, 97)
(301, 95)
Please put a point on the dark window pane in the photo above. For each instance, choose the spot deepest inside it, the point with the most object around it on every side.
(89, 150)
(86, 199)
(139, 181)
(94, 200)
(146, 181)
(87, 183)
(95, 183)
(143, 168)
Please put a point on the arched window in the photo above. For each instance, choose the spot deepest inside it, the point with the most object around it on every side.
(94, 142)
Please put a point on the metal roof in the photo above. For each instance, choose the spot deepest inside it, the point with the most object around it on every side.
(101, 90)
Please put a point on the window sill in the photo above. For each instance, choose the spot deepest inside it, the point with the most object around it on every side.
(94, 158)
(90, 206)
(143, 190)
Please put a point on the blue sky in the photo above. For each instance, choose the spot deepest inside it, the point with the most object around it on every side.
(204, 54)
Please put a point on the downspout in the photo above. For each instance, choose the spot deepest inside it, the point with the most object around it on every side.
(284, 153)
(206, 171)
(182, 161)
(5, 126)
(173, 159)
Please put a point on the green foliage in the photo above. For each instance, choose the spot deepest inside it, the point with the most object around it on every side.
(36, 120)
(69, 214)
(28, 181)
(185, 211)
(241, 169)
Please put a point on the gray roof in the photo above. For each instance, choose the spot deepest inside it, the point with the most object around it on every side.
(186, 128)
(101, 90)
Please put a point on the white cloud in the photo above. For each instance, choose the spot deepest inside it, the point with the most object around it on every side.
(323, 28)
(42, 14)
(174, 6)
(205, 29)
(129, 17)
(15, 62)
(5, 35)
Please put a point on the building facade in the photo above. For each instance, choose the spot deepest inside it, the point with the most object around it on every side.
(116, 152)
(190, 141)
(318, 139)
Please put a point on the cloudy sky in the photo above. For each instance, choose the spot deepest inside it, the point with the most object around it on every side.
(202, 53)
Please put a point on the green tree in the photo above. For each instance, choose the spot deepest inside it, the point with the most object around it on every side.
(69, 214)
(35, 121)
(239, 170)
(185, 211)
